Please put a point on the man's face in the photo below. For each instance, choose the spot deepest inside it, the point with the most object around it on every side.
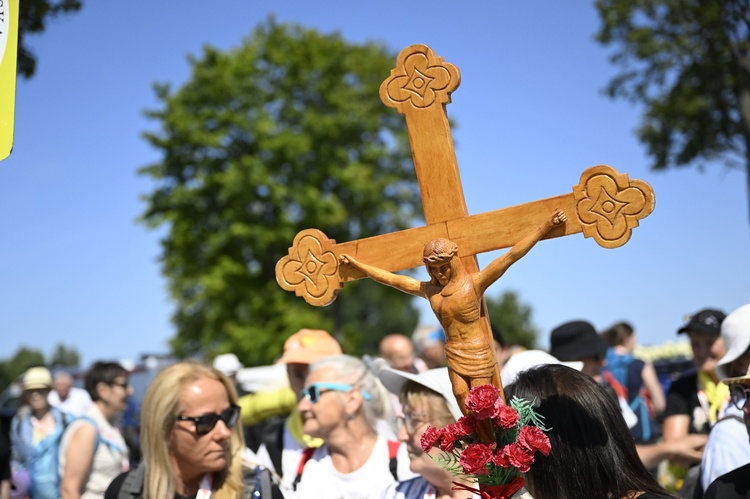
(440, 271)
(62, 387)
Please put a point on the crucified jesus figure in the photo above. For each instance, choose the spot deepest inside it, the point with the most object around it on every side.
(455, 297)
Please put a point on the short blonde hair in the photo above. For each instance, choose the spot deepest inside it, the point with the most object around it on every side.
(160, 406)
(417, 395)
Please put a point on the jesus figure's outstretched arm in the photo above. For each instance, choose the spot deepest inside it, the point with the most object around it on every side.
(401, 282)
(499, 265)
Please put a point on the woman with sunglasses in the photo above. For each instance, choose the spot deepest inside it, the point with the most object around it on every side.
(92, 450)
(191, 442)
(343, 404)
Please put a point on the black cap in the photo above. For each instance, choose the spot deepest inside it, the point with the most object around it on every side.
(575, 340)
(705, 321)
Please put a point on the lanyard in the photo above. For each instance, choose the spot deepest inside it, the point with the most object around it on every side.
(205, 490)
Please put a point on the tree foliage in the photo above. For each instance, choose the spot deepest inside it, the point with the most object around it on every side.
(23, 359)
(63, 356)
(513, 318)
(32, 18)
(283, 133)
(688, 63)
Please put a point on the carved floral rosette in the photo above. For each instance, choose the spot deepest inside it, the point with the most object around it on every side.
(609, 205)
(311, 268)
(420, 79)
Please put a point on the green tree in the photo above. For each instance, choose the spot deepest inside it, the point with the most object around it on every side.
(688, 63)
(284, 133)
(65, 357)
(513, 318)
(23, 359)
(32, 18)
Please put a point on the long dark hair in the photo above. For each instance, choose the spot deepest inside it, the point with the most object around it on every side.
(593, 453)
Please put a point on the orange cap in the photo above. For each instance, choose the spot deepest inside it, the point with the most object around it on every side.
(309, 345)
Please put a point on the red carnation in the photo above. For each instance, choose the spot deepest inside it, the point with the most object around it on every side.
(520, 457)
(446, 440)
(502, 458)
(506, 417)
(475, 457)
(481, 401)
(534, 439)
(465, 426)
(429, 437)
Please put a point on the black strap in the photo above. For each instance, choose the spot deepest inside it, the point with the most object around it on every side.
(272, 436)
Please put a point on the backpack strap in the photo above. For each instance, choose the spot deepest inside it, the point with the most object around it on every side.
(273, 437)
(306, 455)
(393, 458)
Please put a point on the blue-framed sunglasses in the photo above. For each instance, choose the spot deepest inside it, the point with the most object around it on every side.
(204, 424)
(314, 391)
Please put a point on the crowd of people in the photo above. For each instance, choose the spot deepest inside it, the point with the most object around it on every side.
(348, 426)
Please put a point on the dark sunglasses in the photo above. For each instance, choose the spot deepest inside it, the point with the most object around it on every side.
(314, 391)
(204, 424)
(738, 393)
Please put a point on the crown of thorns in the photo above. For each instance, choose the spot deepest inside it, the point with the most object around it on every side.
(438, 250)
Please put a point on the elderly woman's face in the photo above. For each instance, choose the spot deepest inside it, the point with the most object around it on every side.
(196, 454)
(321, 416)
(415, 421)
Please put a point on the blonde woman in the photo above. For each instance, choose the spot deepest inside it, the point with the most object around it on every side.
(192, 444)
(426, 400)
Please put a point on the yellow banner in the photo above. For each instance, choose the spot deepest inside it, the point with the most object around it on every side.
(8, 56)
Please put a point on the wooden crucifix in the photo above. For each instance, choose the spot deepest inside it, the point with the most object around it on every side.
(604, 205)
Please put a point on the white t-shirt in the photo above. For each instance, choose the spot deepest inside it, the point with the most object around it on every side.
(320, 480)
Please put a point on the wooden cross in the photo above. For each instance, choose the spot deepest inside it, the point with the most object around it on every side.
(604, 205)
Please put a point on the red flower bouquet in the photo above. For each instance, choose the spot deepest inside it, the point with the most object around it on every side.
(518, 435)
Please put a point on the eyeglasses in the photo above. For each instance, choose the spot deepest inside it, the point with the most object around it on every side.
(738, 393)
(314, 391)
(124, 386)
(413, 420)
(204, 424)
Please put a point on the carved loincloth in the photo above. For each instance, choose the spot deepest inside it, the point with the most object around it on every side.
(471, 359)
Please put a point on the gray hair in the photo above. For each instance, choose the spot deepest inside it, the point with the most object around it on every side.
(353, 371)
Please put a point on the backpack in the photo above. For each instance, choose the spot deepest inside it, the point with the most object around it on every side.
(615, 374)
(45, 476)
(307, 454)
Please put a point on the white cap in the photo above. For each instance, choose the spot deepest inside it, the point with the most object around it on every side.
(436, 380)
(227, 364)
(527, 359)
(735, 331)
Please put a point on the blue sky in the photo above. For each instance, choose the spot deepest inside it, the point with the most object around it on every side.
(76, 268)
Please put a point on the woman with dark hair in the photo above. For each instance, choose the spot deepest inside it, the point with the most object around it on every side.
(622, 370)
(593, 453)
(93, 451)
